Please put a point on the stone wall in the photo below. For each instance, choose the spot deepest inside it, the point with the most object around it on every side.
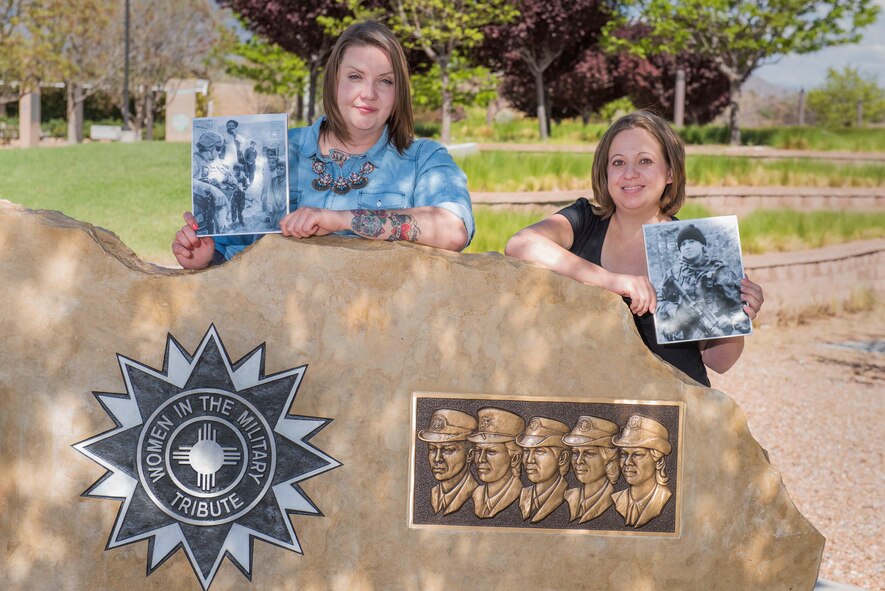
(821, 279)
(738, 201)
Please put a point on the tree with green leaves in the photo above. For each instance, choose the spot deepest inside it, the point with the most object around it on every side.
(10, 42)
(294, 26)
(741, 35)
(71, 41)
(835, 103)
(445, 29)
(173, 39)
(468, 85)
(274, 70)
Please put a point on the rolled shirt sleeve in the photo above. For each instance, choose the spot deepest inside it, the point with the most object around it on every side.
(441, 183)
(229, 246)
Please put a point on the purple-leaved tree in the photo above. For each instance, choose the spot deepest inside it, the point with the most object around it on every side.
(548, 35)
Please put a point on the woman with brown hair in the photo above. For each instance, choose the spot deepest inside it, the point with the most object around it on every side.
(638, 178)
(358, 170)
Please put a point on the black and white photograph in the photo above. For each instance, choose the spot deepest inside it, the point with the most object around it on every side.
(696, 267)
(240, 174)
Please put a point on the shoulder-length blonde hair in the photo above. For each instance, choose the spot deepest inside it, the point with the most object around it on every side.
(674, 153)
(400, 124)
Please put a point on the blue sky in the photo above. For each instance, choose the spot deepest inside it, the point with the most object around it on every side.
(810, 70)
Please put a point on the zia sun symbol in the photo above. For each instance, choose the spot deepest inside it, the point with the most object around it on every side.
(205, 456)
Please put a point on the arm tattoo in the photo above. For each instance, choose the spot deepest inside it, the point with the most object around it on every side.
(368, 223)
(371, 224)
(404, 228)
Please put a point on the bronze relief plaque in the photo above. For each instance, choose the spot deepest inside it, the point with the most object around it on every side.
(571, 465)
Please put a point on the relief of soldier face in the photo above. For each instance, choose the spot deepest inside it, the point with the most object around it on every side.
(692, 251)
(493, 461)
(588, 463)
(448, 460)
(637, 465)
(541, 463)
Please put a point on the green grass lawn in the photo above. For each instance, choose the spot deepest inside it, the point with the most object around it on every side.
(139, 191)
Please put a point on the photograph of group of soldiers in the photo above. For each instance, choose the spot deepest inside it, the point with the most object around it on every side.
(240, 174)
(495, 464)
(696, 269)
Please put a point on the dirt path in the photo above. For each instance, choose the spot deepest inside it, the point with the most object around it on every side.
(819, 410)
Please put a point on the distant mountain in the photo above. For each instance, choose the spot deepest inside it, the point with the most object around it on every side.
(763, 88)
(763, 104)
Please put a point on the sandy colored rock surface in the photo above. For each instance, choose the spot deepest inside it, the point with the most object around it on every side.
(819, 410)
(375, 322)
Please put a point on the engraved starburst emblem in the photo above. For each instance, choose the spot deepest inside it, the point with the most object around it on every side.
(205, 456)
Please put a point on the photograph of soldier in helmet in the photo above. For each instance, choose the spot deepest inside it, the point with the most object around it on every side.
(696, 269)
(239, 166)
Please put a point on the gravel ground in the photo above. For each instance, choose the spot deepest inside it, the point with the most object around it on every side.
(819, 410)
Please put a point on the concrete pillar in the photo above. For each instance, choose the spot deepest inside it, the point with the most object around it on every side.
(802, 107)
(679, 101)
(181, 108)
(29, 120)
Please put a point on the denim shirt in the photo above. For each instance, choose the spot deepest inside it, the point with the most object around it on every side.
(425, 175)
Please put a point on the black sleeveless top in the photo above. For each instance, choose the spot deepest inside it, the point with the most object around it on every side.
(590, 230)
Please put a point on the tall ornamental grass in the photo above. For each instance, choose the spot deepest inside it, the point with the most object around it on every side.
(761, 231)
(792, 138)
(512, 126)
(532, 171)
(786, 229)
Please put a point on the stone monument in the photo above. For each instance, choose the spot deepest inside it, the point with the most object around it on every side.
(181, 107)
(283, 420)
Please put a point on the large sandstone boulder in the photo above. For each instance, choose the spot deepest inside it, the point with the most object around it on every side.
(375, 323)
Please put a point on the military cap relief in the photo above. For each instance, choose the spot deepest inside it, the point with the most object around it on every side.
(595, 465)
(546, 461)
(498, 461)
(599, 466)
(449, 455)
(643, 443)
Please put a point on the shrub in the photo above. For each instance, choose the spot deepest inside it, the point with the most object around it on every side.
(426, 129)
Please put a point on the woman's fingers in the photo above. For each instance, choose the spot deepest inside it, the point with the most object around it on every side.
(752, 296)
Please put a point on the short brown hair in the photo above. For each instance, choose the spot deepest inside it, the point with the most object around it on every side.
(400, 124)
(671, 146)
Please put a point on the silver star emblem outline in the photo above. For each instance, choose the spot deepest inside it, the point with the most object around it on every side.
(245, 374)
